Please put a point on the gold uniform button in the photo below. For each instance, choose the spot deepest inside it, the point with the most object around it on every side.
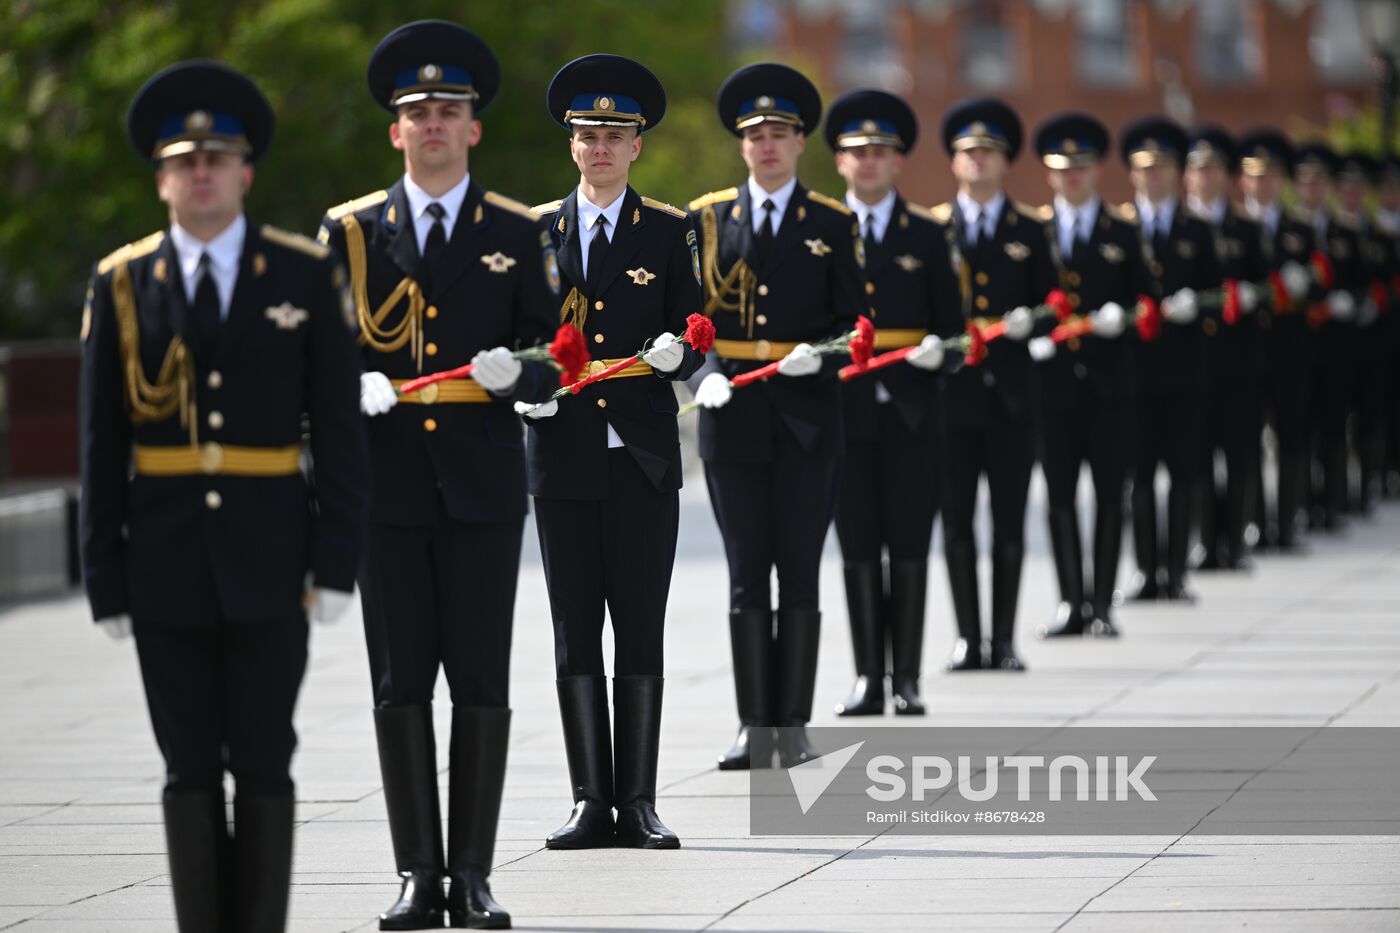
(1208, 326)
(215, 379)
(602, 403)
(432, 311)
(982, 302)
(763, 289)
(1156, 268)
(761, 320)
(213, 500)
(430, 425)
(981, 278)
(1074, 301)
(1073, 278)
(431, 349)
(216, 420)
(870, 288)
(597, 306)
(598, 338)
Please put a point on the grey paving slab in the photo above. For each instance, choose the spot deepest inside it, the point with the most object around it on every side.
(1311, 641)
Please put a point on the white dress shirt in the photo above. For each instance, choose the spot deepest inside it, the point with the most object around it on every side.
(874, 218)
(1389, 221)
(1266, 214)
(225, 251)
(1155, 217)
(588, 214)
(1214, 211)
(1076, 223)
(980, 218)
(780, 199)
(418, 201)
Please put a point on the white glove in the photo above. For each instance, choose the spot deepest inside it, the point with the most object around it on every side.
(1296, 279)
(325, 605)
(928, 355)
(118, 628)
(1342, 305)
(714, 391)
(1249, 297)
(1019, 323)
(377, 394)
(1108, 320)
(1180, 308)
(1041, 348)
(1370, 313)
(802, 361)
(495, 370)
(536, 412)
(666, 353)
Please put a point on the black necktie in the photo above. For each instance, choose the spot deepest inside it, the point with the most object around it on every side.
(867, 231)
(1161, 234)
(208, 320)
(597, 252)
(437, 239)
(765, 231)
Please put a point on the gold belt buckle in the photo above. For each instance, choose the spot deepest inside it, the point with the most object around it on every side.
(211, 458)
(429, 393)
(594, 367)
(762, 350)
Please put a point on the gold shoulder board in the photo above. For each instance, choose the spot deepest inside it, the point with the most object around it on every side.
(942, 212)
(662, 206)
(1126, 212)
(714, 197)
(829, 202)
(548, 207)
(509, 204)
(131, 251)
(295, 241)
(359, 204)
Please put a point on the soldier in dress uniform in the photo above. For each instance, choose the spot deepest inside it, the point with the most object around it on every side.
(889, 489)
(1285, 338)
(1334, 356)
(206, 530)
(442, 272)
(1233, 402)
(1388, 219)
(1086, 385)
(781, 267)
(1003, 255)
(605, 465)
(1170, 390)
(1359, 176)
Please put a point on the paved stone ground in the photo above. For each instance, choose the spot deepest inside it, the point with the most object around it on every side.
(1301, 641)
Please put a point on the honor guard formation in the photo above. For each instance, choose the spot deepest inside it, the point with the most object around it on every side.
(269, 420)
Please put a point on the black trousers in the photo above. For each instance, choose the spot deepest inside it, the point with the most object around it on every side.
(1095, 430)
(889, 493)
(1004, 450)
(615, 553)
(440, 596)
(221, 699)
(774, 515)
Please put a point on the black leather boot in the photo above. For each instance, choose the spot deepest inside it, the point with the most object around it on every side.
(262, 843)
(1239, 501)
(476, 776)
(583, 707)
(408, 767)
(1006, 590)
(961, 557)
(637, 734)
(1108, 543)
(197, 843)
(908, 597)
(799, 634)
(1178, 535)
(1146, 586)
(1206, 509)
(1292, 493)
(751, 642)
(1069, 570)
(864, 599)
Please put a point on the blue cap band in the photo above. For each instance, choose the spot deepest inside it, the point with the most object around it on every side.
(201, 122)
(605, 106)
(432, 74)
(770, 105)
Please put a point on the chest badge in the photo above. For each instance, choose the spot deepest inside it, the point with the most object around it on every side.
(286, 316)
(640, 276)
(817, 247)
(909, 263)
(1018, 251)
(1185, 249)
(498, 262)
(1112, 252)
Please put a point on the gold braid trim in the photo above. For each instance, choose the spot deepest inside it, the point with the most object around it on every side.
(372, 332)
(732, 292)
(173, 389)
(574, 309)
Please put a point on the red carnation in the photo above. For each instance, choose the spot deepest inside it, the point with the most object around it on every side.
(1149, 318)
(977, 345)
(1322, 268)
(1379, 296)
(1231, 311)
(1282, 301)
(862, 345)
(1058, 301)
(865, 329)
(699, 333)
(570, 352)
